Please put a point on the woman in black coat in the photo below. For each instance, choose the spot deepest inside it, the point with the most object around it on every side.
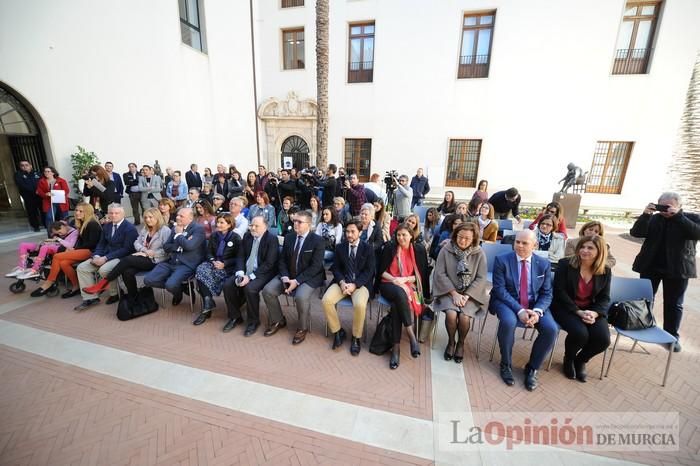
(220, 264)
(100, 189)
(402, 278)
(581, 302)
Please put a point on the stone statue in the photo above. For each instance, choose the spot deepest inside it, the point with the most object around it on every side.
(156, 169)
(571, 175)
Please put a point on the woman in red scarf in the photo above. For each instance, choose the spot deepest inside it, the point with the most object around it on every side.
(403, 281)
(50, 181)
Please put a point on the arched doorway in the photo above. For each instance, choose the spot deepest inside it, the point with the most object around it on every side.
(296, 148)
(20, 139)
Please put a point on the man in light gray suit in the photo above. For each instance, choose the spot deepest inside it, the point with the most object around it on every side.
(150, 186)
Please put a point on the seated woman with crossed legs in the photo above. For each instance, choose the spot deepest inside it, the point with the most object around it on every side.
(149, 252)
(403, 277)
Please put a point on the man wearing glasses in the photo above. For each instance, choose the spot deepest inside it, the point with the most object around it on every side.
(192, 198)
(300, 273)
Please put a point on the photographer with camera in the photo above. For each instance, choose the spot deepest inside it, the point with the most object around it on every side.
(100, 189)
(329, 183)
(403, 197)
(668, 254)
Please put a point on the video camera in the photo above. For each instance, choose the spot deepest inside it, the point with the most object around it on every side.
(391, 180)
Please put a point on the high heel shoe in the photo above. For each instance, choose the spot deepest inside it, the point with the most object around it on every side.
(395, 357)
(44, 291)
(448, 355)
(459, 357)
(415, 348)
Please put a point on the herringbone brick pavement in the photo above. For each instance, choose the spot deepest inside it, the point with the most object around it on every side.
(54, 414)
(634, 383)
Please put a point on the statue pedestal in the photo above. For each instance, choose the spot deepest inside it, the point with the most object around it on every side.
(570, 203)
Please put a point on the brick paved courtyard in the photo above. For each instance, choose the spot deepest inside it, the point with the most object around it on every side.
(73, 391)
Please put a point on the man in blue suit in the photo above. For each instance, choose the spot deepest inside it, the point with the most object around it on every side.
(522, 292)
(117, 241)
(187, 249)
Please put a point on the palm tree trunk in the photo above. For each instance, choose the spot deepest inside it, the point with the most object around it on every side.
(685, 166)
(322, 83)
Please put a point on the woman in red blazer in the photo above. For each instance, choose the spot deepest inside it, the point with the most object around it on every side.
(48, 182)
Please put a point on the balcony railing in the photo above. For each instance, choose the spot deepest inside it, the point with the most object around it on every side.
(292, 3)
(631, 61)
(360, 71)
(473, 66)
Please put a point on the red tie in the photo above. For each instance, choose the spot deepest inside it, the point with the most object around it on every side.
(524, 301)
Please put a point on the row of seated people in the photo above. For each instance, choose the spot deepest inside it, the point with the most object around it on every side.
(245, 268)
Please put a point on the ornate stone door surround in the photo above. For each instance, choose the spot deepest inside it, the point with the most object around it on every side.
(284, 118)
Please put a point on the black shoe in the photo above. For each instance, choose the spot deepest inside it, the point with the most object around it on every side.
(177, 299)
(448, 355)
(36, 229)
(459, 353)
(355, 346)
(530, 378)
(507, 375)
(201, 318)
(86, 304)
(231, 324)
(338, 339)
(208, 303)
(415, 349)
(112, 299)
(70, 293)
(569, 369)
(251, 329)
(43, 292)
(275, 327)
(395, 357)
(580, 368)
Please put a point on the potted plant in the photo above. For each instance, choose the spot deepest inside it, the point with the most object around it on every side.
(81, 161)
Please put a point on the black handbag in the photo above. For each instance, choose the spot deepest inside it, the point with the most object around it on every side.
(631, 315)
(144, 303)
(383, 340)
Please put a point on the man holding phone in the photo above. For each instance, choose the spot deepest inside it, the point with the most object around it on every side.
(668, 254)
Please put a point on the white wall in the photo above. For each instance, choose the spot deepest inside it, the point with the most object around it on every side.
(549, 97)
(115, 78)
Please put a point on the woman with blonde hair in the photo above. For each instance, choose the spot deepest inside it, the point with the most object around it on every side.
(592, 228)
(581, 302)
(89, 235)
(149, 252)
(382, 218)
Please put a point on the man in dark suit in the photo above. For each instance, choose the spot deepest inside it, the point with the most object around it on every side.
(116, 177)
(353, 272)
(193, 178)
(300, 273)
(131, 182)
(26, 180)
(255, 267)
(117, 241)
(187, 249)
(522, 292)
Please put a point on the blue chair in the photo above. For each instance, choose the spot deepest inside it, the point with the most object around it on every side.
(347, 302)
(421, 212)
(491, 250)
(625, 289)
(505, 224)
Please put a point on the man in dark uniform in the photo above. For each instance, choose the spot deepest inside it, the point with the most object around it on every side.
(26, 179)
